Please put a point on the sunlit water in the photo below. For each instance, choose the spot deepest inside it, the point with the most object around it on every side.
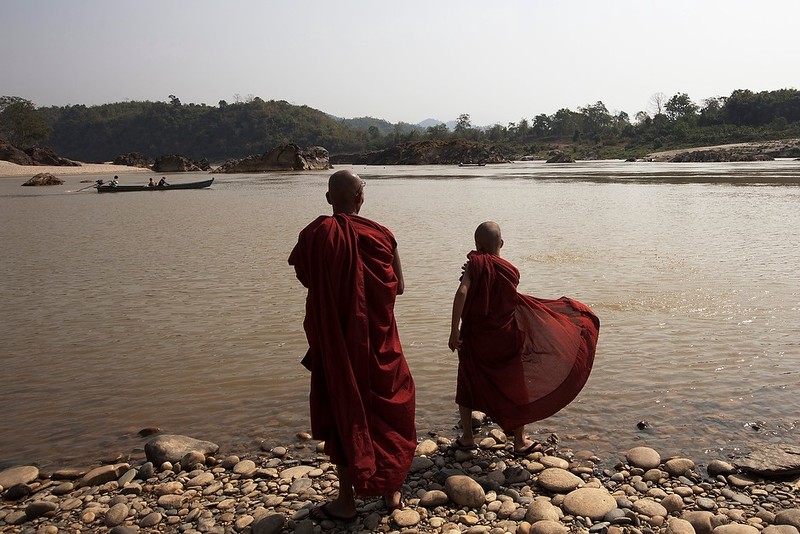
(179, 310)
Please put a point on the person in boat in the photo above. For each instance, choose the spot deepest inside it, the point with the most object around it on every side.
(362, 397)
(151, 183)
(162, 182)
(520, 359)
(114, 181)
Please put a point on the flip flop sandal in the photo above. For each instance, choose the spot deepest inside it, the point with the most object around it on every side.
(321, 513)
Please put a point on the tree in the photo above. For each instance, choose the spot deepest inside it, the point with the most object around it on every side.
(463, 123)
(21, 123)
(174, 100)
(680, 106)
(657, 101)
(438, 131)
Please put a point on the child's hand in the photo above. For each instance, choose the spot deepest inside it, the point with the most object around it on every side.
(455, 341)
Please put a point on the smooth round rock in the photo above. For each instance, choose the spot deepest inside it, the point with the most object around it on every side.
(643, 457)
(735, 528)
(676, 525)
(702, 522)
(427, 447)
(547, 527)
(541, 510)
(433, 498)
(593, 503)
(464, 491)
(22, 474)
(39, 508)
(672, 503)
(790, 516)
(116, 515)
(406, 518)
(650, 508)
(679, 466)
(780, 529)
(558, 480)
(718, 467)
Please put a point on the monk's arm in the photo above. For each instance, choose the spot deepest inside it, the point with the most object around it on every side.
(398, 272)
(458, 308)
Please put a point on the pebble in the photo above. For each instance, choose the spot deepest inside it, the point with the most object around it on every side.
(467, 492)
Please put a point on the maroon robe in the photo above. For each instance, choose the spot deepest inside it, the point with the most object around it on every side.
(522, 359)
(362, 392)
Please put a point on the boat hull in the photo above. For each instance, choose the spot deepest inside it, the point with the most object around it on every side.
(129, 188)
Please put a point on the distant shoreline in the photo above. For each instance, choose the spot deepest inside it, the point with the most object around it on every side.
(12, 170)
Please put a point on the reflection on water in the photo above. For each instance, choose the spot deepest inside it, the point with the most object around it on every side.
(178, 309)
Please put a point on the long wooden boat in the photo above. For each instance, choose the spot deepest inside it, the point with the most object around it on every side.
(119, 188)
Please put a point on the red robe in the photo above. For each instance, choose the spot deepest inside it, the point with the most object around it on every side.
(522, 359)
(362, 392)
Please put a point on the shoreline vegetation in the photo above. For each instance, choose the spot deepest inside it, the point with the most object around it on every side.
(181, 484)
(751, 151)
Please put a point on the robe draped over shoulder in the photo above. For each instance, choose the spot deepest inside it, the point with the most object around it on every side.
(362, 394)
(522, 359)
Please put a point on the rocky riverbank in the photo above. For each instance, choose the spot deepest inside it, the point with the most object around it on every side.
(179, 484)
(755, 151)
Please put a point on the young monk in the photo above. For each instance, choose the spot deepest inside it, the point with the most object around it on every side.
(520, 359)
(362, 392)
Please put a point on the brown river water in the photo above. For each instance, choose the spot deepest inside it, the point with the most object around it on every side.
(179, 310)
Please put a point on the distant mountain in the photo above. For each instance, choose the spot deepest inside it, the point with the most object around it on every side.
(427, 123)
(383, 126)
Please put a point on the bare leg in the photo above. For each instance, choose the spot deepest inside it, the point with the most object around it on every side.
(344, 505)
(393, 500)
(467, 437)
(521, 442)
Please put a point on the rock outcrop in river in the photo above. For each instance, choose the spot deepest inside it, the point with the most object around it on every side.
(37, 155)
(288, 157)
(428, 153)
(756, 151)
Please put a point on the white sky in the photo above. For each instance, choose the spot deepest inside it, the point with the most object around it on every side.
(408, 60)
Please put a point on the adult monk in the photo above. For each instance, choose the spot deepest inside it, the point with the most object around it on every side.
(362, 393)
(520, 359)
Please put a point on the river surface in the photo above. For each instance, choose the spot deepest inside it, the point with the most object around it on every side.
(178, 309)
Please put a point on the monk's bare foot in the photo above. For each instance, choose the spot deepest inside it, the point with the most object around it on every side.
(393, 501)
(335, 510)
(464, 444)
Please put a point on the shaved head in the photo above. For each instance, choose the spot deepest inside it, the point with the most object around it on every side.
(488, 237)
(345, 191)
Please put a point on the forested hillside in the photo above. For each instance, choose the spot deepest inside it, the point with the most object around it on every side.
(101, 133)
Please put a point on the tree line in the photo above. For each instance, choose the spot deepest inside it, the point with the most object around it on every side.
(253, 126)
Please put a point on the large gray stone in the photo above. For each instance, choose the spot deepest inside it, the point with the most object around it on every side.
(772, 460)
(547, 527)
(676, 525)
(558, 480)
(643, 457)
(790, 516)
(649, 507)
(103, 474)
(172, 448)
(21, 474)
(464, 491)
(679, 466)
(593, 503)
(735, 528)
(541, 510)
(270, 524)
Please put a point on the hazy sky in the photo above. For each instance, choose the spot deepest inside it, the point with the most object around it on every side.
(408, 60)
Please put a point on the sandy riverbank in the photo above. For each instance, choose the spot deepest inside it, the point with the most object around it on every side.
(12, 170)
